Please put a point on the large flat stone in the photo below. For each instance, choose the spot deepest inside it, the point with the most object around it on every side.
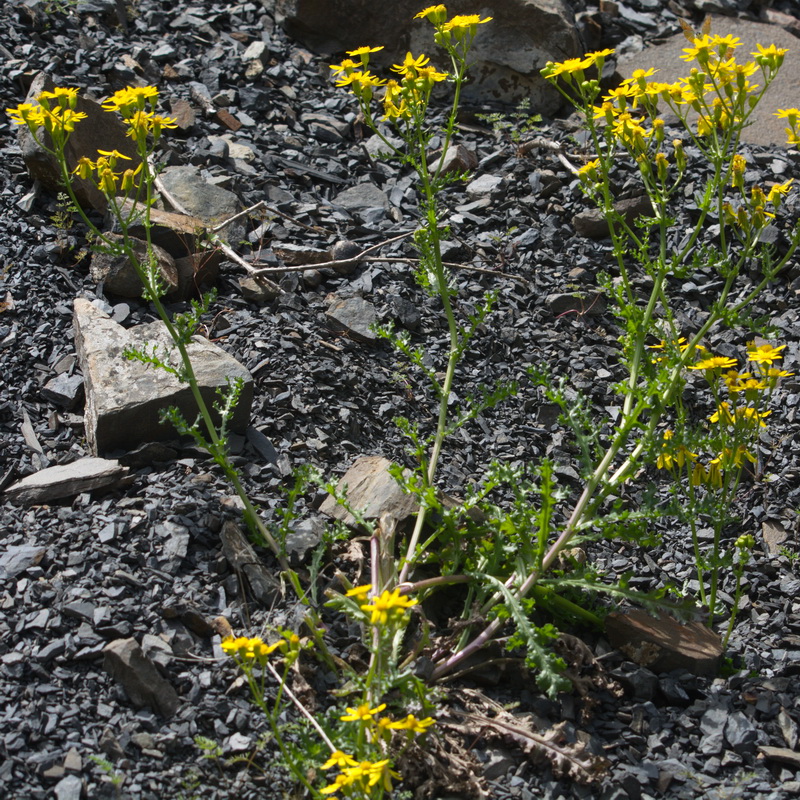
(765, 129)
(124, 398)
(66, 480)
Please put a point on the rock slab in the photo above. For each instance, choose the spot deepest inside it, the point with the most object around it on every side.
(369, 487)
(66, 480)
(126, 663)
(664, 644)
(124, 399)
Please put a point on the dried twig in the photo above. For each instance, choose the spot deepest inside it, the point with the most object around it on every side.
(547, 144)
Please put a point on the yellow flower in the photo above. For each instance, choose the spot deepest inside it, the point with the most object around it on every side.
(569, 67)
(339, 760)
(131, 98)
(777, 191)
(700, 51)
(347, 66)
(764, 353)
(411, 64)
(464, 25)
(752, 417)
(387, 605)
(714, 362)
(589, 170)
(363, 713)
(714, 474)
(27, 114)
(411, 723)
(362, 51)
(436, 15)
(723, 413)
(381, 773)
(725, 43)
(771, 56)
(360, 592)
(600, 55)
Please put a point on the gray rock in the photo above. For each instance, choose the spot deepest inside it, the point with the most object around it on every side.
(256, 51)
(204, 200)
(157, 650)
(69, 788)
(507, 54)
(765, 129)
(119, 275)
(713, 724)
(66, 480)
(126, 663)
(370, 488)
(639, 681)
(485, 184)
(592, 224)
(64, 390)
(175, 546)
(124, 398)
(362, 195)
(305, 535)
(19, 557)
(355, 316)
(255, 291)
(458, 159)
(99, 131)
(740, 733)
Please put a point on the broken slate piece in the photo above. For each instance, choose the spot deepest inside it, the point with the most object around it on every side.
(124, 398)
(371, 489)
(355, 316)
(665, 644)
(69, 788)
(64, 390)
(126, 663)
(19, 557)
(242, 558)
(66, 480)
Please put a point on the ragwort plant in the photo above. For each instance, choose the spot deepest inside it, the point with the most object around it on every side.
(128, 187)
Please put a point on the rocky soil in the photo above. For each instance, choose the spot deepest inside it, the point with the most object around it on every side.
(142, 559)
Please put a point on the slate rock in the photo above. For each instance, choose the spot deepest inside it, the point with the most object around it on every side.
(591, 223)
(370, 488)
(665, 644)
(124, 398)
(176, 233)
(207, 201)
(783, 755)
(69, 788)
(119, 275)
(240, 554)
(484, 185)
(257, 291)
(361, 196)
(126, 663)
(640, 682)
(774, 534)
(16, 558)
(740, 733)
(458, 159)
(66, 480)
(353, 315)
(64, 390)
(305, 535)
(713, 724)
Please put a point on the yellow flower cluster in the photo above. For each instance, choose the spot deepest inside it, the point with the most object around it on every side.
(743, 420)
(408, 97)
(102, 172)
(246, 649)
(355, 778)
(388, 606)
(56, 110)
(255, 650)
(718, 90)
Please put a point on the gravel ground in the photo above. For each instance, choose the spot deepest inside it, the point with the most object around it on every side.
(107, 571)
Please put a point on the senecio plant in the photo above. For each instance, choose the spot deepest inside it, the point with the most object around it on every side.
(514, 560)
(128, 187)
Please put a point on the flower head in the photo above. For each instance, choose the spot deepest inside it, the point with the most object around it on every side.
(388, 605)
(436, 15)
(362, 713)
(763, 353)
(714, 363)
